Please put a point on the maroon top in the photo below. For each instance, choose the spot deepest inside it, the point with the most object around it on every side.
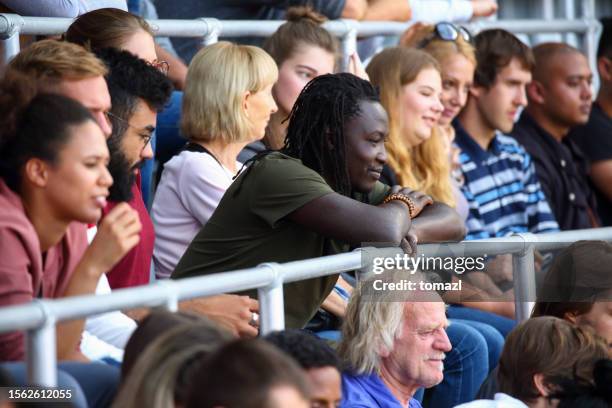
(24, 273)
(134, 268)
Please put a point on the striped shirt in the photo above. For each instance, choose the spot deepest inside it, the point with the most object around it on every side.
(502, 189)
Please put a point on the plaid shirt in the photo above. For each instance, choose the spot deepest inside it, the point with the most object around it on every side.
(502, 189)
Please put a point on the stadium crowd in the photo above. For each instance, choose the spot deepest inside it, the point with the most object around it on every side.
(266, 153)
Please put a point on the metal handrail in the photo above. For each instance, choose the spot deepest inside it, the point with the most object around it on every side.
(39, 317)
(202, 27)
(209, 29)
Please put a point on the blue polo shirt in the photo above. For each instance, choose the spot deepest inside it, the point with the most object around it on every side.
(369, 391)
(501, 188)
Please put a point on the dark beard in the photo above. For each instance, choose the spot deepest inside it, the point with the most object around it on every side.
(122, 173)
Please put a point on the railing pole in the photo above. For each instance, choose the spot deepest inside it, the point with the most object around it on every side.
(590, 36)
(10, 27)
(172, 299)
(213, 29)
(10, 48)
(348, 43)
(523, 270)
(271, 302)
(41, 352)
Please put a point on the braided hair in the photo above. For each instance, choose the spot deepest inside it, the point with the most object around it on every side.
(316, 125)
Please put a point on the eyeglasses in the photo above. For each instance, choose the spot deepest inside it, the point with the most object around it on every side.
(447, 32)
(162, 66)
(145, 138)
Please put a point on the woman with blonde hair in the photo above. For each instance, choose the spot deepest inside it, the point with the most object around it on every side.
(227, 104)
(410, 87)
(451, 47)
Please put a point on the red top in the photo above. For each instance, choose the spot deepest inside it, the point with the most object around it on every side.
(135, 267)
(24, 273)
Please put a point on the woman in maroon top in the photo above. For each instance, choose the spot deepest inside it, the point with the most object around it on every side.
(53, 180)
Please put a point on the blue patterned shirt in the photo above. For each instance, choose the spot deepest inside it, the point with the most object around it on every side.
(502, 188)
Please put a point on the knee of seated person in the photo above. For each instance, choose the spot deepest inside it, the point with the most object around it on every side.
(467, 343)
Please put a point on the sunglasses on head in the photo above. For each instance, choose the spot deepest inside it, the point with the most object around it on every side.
(447, 32)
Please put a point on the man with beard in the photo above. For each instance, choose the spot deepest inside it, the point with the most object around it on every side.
(138, 91)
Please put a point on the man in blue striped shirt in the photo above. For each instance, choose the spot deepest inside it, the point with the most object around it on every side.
(501, 186)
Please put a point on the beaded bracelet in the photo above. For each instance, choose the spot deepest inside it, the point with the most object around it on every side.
(405, 199)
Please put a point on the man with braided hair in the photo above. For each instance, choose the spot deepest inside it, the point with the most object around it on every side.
(303, 201)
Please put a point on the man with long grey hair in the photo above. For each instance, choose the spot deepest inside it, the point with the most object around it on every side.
(394, 342)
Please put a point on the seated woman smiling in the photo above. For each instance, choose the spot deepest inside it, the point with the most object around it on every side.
(318, 196)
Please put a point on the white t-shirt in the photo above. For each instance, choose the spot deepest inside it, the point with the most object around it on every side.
(105, 335)
(190, 189)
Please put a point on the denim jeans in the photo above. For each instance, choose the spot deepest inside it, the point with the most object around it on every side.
(93, 384)
(502, 324)
(494, 339)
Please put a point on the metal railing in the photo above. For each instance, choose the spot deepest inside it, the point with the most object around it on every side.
(39, 317)
(209, 29)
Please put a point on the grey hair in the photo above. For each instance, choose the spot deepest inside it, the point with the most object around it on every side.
(374, 320)
(155, 379)
(371, 324)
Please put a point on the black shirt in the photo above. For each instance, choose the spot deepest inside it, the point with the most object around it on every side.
(562, 171)
(595, 140)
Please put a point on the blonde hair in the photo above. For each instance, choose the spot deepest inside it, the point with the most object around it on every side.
(49, 61)
(218, 77)
(425, 167)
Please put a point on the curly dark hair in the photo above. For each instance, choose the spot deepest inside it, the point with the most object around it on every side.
(129, 79)
(307, 349)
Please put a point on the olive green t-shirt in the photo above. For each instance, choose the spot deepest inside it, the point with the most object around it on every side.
(249, 227)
